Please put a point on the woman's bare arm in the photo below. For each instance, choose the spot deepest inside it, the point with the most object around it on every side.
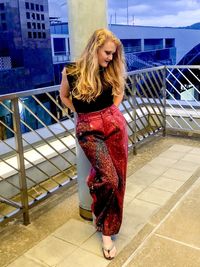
(65, 93)
(118, 99)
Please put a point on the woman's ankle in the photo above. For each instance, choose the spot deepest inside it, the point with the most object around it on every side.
(106, 239)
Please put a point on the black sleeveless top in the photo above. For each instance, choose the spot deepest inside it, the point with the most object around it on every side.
(102, 101)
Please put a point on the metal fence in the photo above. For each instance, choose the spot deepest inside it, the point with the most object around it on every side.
(183, 98)
(37, 146)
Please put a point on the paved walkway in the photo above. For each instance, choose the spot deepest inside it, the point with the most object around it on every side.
(161, 225)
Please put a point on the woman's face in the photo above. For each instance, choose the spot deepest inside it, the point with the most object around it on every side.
(105, 53)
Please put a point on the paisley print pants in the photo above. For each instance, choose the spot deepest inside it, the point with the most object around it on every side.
(103, 137)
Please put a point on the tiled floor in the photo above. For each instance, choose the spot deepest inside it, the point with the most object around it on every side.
(176, 240)
(77, 244)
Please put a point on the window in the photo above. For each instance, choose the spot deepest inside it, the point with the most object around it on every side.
(33, 15)
(59, 46)
(131, 45)
(39, 35)
(32, 6)
(44, 35)
(43, 26)
(29, 34)
(28, 25)
(2, 6)
(38, 16)
(153, 44)
(38, 26)
(41, 8)
(34, 25)
(4, 26)
(34, 35)
(42, 17)
(3, 16)
(169, 42)
(28, 15)
(37, 7)
(27, 5)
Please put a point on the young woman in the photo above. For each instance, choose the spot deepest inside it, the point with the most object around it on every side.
(93, 88)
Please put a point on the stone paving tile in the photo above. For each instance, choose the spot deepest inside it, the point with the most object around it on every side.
(192, 157)
(149, 169)
(94, 243)
(178, 174)
(140, 209)
(50, 251)
(181, 148)
(167, 184)
(131, 226)
(136, 214)
(121, 241)
(160, 252)
(155, 195)
(26, 262)
(162, 161)
(83, 258)
(133, 189)
(195, 151)
(172, 154)
(75, 232)
(127, 199)
(186, 165)
(184, 223)
(142, 178)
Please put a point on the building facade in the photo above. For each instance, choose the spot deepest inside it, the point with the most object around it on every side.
(25, 45)
(145, 46)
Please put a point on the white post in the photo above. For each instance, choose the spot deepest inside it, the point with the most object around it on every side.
(84, 17)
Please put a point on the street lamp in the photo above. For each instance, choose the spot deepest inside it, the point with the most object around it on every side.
(127, 11)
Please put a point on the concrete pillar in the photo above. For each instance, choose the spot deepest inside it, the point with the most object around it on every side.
(142, 45)
(163, 43)
(84, 17)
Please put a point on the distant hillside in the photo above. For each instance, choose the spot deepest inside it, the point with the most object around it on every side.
(195, 26)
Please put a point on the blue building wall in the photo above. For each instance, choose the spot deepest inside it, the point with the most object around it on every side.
(25, 38)
(139, 52)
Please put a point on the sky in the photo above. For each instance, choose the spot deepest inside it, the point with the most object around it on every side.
(170, 13)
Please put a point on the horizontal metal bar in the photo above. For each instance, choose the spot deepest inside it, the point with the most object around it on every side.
(182, 66)
(30, 92)
(10, 202)
(144, 70)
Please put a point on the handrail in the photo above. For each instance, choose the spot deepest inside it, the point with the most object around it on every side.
(45, 139)
(30, 92)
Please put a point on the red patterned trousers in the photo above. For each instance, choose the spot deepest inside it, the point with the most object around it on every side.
(103, 137)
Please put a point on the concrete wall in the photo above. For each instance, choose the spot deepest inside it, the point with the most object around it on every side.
(185, 39)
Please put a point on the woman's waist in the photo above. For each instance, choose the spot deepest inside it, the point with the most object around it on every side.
(93, 106)
(98, 114)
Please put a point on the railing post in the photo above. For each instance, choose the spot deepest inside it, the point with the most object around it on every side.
(134, 115)
(20, 160)
(164, 101)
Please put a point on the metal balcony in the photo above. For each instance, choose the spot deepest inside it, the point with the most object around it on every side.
(37, 146)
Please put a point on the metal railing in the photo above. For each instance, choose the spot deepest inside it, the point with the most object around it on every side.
(61, 56)
(183, 95)
(37, 146)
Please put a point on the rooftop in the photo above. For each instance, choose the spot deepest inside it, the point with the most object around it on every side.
(160, 226)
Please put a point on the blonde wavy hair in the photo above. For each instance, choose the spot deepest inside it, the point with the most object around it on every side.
(89, 85)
